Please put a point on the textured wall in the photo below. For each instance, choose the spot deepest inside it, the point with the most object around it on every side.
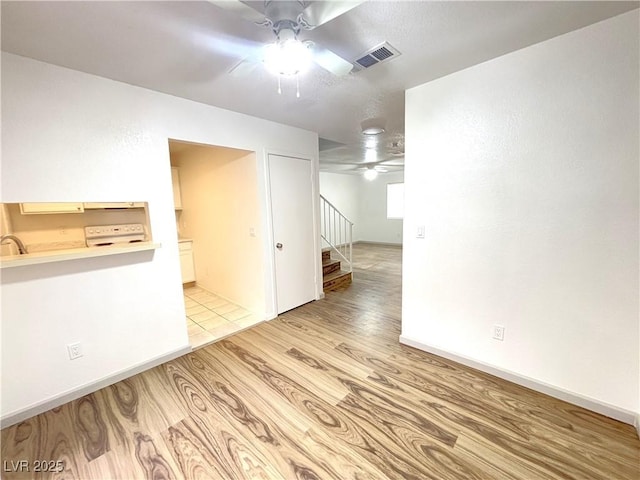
(220, 207)
(374, 224)
(364, 202)
(69, 136)
(343, 191)
(524, 170)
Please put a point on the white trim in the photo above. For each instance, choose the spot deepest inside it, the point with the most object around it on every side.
(270, 294)
(637, 424)
(626, 416)
(270, 242)
(388, 244)
(315, 199)
(317, 240)
(56, 401)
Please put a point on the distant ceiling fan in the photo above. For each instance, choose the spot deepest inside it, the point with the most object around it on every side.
(289, 56)
(370, 170)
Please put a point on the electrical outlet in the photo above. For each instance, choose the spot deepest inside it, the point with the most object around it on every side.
(498, 332)
(75, 350)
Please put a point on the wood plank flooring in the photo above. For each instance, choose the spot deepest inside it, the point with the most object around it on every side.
(323, 392)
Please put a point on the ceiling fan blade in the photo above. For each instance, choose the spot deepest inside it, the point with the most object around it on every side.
(321, 12)
(392, 162)
(330, 61)
(244, 68)
(248, 64)
(241, 9)
(354, 166)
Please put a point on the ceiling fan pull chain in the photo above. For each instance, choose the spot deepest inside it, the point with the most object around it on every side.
(279, 88)
(297, 86)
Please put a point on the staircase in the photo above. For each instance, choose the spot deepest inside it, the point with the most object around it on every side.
(333, 277)
(337, 237)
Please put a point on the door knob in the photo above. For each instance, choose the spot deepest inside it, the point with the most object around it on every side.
(279, 246)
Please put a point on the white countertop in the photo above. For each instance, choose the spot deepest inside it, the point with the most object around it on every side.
(61, 255)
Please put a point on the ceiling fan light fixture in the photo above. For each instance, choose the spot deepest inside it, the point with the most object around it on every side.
(289, 57)
(372, 126)
(372, 130)
(370, 174)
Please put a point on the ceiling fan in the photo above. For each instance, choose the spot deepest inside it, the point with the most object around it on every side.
(289, 56)
(370, 170)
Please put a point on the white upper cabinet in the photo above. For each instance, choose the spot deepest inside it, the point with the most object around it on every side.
(73, 207)
(39, 208)
(99, 205)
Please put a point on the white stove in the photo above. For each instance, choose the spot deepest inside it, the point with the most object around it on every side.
(104, 235)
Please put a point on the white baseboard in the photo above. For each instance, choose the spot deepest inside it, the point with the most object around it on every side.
(626, 416)
(388, 244)
(56, 401)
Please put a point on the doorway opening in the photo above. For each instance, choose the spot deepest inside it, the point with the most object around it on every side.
(218, 222)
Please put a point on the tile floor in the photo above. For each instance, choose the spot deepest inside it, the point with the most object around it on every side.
(211, 318)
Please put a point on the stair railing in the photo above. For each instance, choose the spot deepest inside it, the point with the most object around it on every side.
(337, 232)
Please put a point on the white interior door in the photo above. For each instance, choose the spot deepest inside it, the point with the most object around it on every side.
(292, 219)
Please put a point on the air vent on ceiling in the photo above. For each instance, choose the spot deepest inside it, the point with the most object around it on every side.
(378, 54)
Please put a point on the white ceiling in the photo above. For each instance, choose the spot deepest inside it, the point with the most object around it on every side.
(187, 49)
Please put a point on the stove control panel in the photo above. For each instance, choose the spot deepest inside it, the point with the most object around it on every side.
(101, 235)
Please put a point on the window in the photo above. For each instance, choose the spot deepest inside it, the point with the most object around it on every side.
(395, 200)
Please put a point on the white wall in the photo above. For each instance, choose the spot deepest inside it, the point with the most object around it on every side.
(69, 136)
(364, 202)
(219, 208)
(343, 192)
(524, 170)
(374, 224)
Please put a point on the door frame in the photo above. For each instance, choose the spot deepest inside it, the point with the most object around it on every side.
(271, 298)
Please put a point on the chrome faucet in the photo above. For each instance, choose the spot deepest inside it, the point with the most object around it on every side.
(21, 248)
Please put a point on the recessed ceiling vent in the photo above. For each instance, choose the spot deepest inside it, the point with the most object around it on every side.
(378, 54)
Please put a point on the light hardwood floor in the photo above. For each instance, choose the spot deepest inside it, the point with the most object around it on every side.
(324, 391)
